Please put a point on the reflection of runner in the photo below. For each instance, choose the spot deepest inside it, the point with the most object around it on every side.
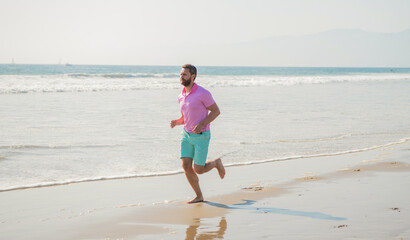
(198, 110)
(192, 231)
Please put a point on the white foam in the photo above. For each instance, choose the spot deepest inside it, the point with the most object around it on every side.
(338, 137)
(51, 184)
(318, 155)
(167, 173)
(28, 146)
(82, 82)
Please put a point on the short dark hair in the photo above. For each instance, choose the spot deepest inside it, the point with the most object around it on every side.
(191, 68)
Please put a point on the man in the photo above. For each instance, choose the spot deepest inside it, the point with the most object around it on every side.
(198, 110)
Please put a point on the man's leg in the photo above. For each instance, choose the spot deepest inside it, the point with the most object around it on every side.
(200, 155)
(209, 165)
(192, 179)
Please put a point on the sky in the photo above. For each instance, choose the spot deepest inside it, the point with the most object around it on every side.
(134, 32)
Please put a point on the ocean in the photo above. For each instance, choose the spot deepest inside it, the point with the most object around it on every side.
(65, 124)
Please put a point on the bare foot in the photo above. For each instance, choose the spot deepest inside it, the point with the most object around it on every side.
(220, 167)
(196, 200)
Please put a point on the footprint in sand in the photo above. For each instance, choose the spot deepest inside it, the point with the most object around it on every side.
(253, 188)
(341, 226)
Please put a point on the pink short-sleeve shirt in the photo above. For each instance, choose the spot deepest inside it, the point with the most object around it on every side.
(193, 107)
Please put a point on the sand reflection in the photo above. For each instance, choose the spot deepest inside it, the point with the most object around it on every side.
(192, 232)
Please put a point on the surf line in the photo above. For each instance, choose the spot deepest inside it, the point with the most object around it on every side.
(41, 185)
(54, 184)
(404, 140)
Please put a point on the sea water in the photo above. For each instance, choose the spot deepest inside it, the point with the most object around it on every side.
(65, 124)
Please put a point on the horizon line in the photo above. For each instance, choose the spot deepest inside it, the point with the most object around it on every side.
(172, 65)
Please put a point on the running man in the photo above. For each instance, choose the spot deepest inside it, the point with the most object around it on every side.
(198, 110)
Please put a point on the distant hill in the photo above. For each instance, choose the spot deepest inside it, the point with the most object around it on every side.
(338, 48)
(333, 48)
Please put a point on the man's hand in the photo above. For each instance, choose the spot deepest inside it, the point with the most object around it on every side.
(198, 128)
(173, 123)
(179, 121)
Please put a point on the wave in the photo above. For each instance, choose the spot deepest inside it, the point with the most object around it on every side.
(84, 82)
(338, 137)
(404, 140)
(168, 173)
(51, 184)
(330, 138)
(54, 147)
(123, 75)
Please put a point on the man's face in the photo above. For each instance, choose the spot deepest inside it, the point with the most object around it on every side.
(185, 77)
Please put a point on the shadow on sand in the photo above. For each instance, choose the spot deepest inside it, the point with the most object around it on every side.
(247, 205)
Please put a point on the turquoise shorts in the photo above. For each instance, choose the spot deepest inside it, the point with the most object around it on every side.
(195, 146)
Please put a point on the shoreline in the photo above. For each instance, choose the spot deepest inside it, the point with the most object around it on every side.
(229, 165)
(361, 195)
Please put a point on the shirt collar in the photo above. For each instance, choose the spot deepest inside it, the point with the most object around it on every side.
(193, 89)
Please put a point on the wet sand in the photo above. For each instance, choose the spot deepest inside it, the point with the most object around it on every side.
(354, 196)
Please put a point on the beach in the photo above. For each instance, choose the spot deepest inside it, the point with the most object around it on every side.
(362, 195)
(86, 152)
(295, 117)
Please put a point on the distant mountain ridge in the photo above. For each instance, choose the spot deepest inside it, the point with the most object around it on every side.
(336, 47)
(332, 48)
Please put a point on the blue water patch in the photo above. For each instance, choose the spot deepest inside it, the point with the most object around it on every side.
(247, 205)
(44, 69)
(39, 69)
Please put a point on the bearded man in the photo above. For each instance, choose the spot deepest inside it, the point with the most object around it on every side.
(198, 110)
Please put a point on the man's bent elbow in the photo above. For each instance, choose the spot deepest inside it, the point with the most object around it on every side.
(217, 111)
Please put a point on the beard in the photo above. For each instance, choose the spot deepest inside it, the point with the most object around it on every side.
(186, 82)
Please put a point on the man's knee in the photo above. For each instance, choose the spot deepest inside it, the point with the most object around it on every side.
(199, 169)
(187, 164)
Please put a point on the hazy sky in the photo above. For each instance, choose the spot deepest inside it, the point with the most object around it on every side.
(129, 31)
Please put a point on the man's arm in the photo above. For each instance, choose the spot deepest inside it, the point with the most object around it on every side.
(179, 121)
(214, 113)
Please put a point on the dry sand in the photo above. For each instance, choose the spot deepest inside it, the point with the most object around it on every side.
(354, 196)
